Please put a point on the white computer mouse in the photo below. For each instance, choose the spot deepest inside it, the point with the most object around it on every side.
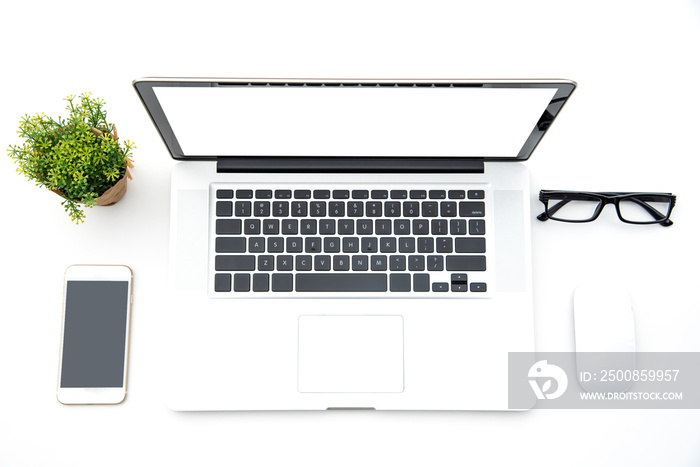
(605, 337)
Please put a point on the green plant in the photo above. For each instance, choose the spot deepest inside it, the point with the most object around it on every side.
(79, 157)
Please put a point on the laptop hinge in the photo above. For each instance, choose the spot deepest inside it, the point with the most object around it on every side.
(289, 164)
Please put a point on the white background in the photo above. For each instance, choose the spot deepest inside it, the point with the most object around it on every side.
(631, 125)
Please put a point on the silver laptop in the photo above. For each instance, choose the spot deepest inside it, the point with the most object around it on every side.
(348, 243)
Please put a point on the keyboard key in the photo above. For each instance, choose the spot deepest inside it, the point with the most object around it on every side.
(271, 226)
(283, 194)
(355, 209)
(360, 194)
(336, 208)
(290, 227)
(407, 245)
(256, 245)
(280, 208)
(341, 263)
(369, 245)
(224, 208)
(476, 227)
(400, 283)
(346, 227)
(302, 194)
(402, 227)
(475, 194)
(341, 194)
(392, 209)
(228, 226)
(378, 262)
(251, 226)
(322, 263)
(312, 245)
(379, 194)
(443, 245)
(440, 287)
(458, 227)
(448, 209)
(421, 282)
(417, 194)
(224, 194)
(263, 194)
(387, 245)
(459, 287)
(285, 263)
(398, 194)
(374, 209)
(266, 263)
(308, 226)
(436, 194)
(234, 263)
(466, 263)
(261, 209)
(243, 208)
(282, 282)
(352, 282)
(397, 263)
(261, 282)
(411, 209)
(477, 287)
(438, 227)
(331, 245)
(317, 209)
(244, 194)
(303, 262)
(416, 263)
(435, 263)
(420, 227)
(364, 227)
(458, 278)
(470, 245)
(471, 209)
(430, 208)
(275, 245)
(326, 226)
(294, 244)
(299, 208)
(222, 282)
(455, 194)
(382, 227)
(322, 194)
(351, 245)
(425, 245)
(360, 263)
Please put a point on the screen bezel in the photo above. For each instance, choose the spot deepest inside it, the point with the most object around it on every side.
(110, 395)
(145, 89)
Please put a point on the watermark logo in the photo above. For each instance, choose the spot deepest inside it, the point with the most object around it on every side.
(544, 371)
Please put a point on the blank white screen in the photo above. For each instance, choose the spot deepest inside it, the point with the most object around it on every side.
(352, 121)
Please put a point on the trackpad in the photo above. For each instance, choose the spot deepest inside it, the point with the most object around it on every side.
(350, 353)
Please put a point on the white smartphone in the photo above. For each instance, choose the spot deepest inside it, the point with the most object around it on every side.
(94, 350)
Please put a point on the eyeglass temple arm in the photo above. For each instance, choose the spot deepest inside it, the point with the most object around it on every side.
(553, 210)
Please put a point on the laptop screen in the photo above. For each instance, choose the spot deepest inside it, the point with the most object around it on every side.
(331, 120)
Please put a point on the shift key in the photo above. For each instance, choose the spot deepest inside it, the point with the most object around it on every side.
(234, 263)
(466, 263)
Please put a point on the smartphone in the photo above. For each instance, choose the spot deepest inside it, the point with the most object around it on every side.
(94, 350)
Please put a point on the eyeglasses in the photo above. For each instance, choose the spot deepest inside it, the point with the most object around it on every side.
(582, 206)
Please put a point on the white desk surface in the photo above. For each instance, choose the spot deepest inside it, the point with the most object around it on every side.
(632, 124)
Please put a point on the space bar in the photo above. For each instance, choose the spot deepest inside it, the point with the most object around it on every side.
(341, 282)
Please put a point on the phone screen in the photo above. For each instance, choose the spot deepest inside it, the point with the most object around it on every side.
(94, 334)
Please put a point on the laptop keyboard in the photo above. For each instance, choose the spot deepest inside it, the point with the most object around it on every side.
(360, 240)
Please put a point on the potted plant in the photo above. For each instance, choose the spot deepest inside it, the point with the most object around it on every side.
(79, 158)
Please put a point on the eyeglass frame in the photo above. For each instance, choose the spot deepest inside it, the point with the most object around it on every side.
(605, 198)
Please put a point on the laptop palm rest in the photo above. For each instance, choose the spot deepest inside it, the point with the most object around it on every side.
(350, 353)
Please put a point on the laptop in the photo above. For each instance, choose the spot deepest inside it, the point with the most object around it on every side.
(348, 243)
